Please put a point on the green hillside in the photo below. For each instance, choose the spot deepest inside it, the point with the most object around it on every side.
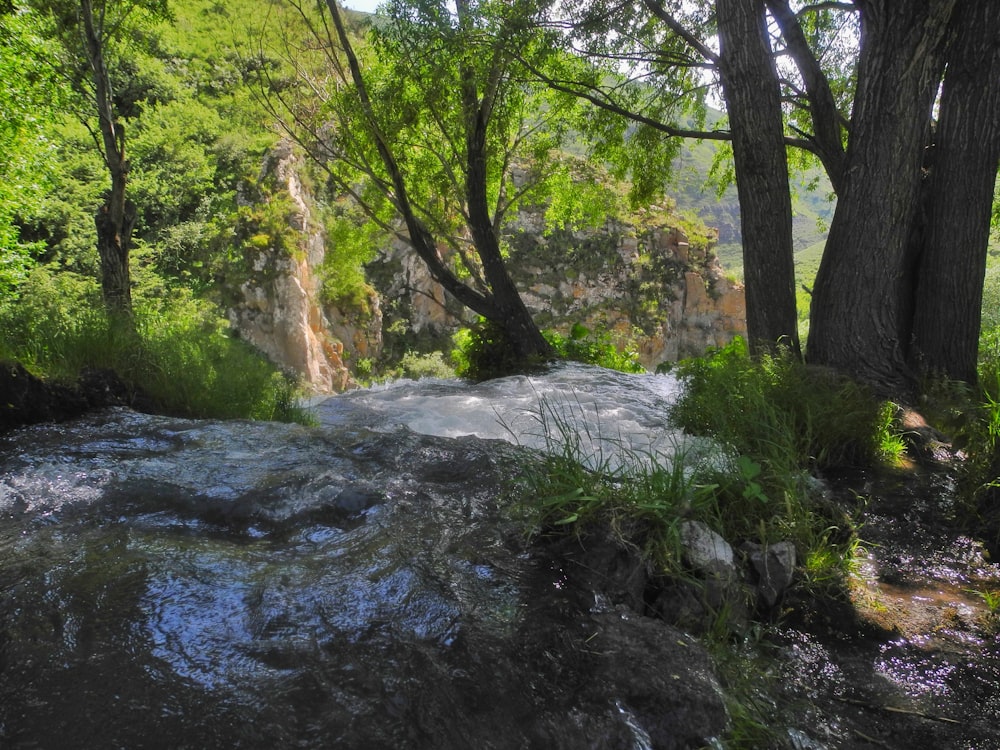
(696, 193)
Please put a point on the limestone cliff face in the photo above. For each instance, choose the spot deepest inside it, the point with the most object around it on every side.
(647, 286)
(279, 309)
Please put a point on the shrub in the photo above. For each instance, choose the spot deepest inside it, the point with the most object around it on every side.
(430, 365)
(784, 414)
(583, 345)
(483, 351)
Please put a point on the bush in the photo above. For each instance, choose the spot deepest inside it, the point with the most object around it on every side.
(484, 351)
(191, 365)
(972, 415)
(431, 365)
(595, 349)
(784, 414)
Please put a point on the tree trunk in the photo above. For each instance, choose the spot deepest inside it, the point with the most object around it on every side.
(958, 199)
(114, 241)
(750, 85)
(115, 220)
(514, 319)
(858, 325)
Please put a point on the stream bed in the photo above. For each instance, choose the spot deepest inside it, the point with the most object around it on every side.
(368, 583)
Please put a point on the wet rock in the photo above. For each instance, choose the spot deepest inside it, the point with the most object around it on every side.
(706, 551)
(26, 399)
(773, 567)
(602, 567)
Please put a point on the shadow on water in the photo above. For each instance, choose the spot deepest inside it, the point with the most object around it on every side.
(913, 660)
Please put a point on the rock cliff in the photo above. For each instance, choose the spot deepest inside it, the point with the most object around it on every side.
(647, 285)
(278, 306)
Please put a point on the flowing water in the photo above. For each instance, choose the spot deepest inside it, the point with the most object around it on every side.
(365, 583)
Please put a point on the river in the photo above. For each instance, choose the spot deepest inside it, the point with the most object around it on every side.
(367, 583)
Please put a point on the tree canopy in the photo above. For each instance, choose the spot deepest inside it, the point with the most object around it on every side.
(439, 131)
(858, 86)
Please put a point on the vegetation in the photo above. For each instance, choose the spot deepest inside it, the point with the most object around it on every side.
(776, 423)
(180, 357)
(479, 352)
(837, 80)
(193, 146)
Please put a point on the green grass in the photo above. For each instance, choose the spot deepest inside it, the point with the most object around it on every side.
(179, 355)
(772, 423)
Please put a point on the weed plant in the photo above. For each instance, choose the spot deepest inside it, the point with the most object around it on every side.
(179, 354)
(585, 478)
(644, 495)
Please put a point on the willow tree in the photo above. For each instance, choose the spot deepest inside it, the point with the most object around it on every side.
(432, 126)
(95, 39)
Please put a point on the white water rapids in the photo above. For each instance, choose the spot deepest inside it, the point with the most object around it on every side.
(610, 418)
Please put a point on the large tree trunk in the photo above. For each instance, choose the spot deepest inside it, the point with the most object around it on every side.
(958, 197)
(750, 84)
(858, 322)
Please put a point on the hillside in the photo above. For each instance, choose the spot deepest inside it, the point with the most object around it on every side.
(696, 194)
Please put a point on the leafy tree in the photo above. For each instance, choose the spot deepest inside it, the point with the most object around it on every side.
(96, 41)
(436, 130)
(893, 293)
(26, 100)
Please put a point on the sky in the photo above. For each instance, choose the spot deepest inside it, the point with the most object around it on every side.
(368, 6)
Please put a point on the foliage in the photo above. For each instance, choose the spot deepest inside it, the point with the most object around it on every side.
(180, 356)
(432, 365)
(26, 154)
(482, 351)
(786, 415)
(583, 345)
(645, 496)
(351, 243)
(971, 415)
(579, 196)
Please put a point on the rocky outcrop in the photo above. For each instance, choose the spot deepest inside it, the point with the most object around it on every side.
(648, 286)
(279, 309)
